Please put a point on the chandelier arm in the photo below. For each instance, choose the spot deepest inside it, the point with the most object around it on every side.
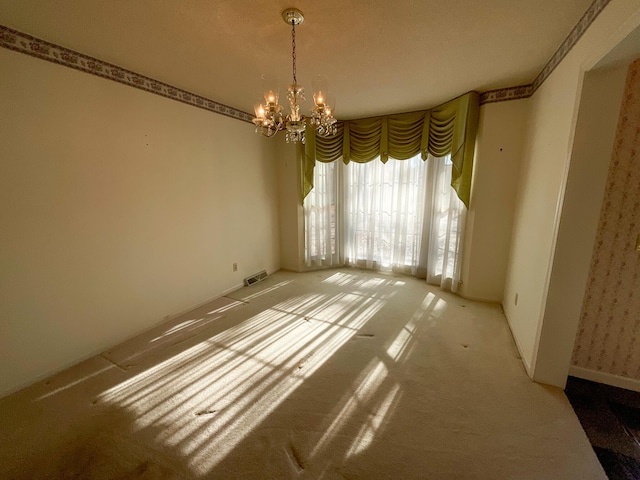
(269, 132)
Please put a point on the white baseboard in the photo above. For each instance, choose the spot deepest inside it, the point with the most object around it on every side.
(606, 378)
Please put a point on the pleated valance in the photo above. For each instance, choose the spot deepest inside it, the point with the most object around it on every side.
(447, 129)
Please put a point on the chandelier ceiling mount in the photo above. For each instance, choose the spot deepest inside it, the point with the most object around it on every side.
(292, 16)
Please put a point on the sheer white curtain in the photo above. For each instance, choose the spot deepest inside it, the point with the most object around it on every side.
(444, 222)
(402, 216)
(322, 217)
(384, 209)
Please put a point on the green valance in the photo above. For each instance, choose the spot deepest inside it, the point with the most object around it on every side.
(447, 129)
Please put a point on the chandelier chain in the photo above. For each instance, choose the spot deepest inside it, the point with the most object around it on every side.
(293, 50)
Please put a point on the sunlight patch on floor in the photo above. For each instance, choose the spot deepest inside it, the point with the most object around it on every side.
(352, 400)
(399, 346)
(343, 279)
(375, 421)
(241, 375)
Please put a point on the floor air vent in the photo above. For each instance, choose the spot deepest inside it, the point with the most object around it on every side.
(255, 278)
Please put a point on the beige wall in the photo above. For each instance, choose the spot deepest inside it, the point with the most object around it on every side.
(118, 208)
(291, 211)
(541, 189)
(490, 217)
(609, 330)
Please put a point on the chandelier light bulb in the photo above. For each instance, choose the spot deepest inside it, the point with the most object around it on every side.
(258, 108)
(320, 86)
(271, 97)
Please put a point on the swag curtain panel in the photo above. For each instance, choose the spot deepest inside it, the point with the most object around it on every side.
(449, 129)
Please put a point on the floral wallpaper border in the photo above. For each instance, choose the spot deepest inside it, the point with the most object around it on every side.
(504, 94)
(525, 91)
(23, 43)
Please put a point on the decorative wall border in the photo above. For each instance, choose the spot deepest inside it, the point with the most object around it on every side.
(569, 42)
(525, 91)
(23, 43)
(504, 94)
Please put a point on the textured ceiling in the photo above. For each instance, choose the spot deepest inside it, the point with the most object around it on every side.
(380, 56)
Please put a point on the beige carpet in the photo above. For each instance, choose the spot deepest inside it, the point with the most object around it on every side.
(339, 374)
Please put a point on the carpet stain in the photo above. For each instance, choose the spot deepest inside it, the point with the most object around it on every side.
(304, 361)
(365, 335)
(210, 411)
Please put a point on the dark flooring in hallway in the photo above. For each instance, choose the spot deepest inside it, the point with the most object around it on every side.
(610, 417)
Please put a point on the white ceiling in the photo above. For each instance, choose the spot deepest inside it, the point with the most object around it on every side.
(380, 56)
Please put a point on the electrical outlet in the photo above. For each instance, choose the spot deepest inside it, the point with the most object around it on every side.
(235, 267)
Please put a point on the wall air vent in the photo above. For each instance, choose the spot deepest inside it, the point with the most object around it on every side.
(258, 277)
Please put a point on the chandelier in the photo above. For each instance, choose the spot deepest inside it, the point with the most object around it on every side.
(270, 119)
